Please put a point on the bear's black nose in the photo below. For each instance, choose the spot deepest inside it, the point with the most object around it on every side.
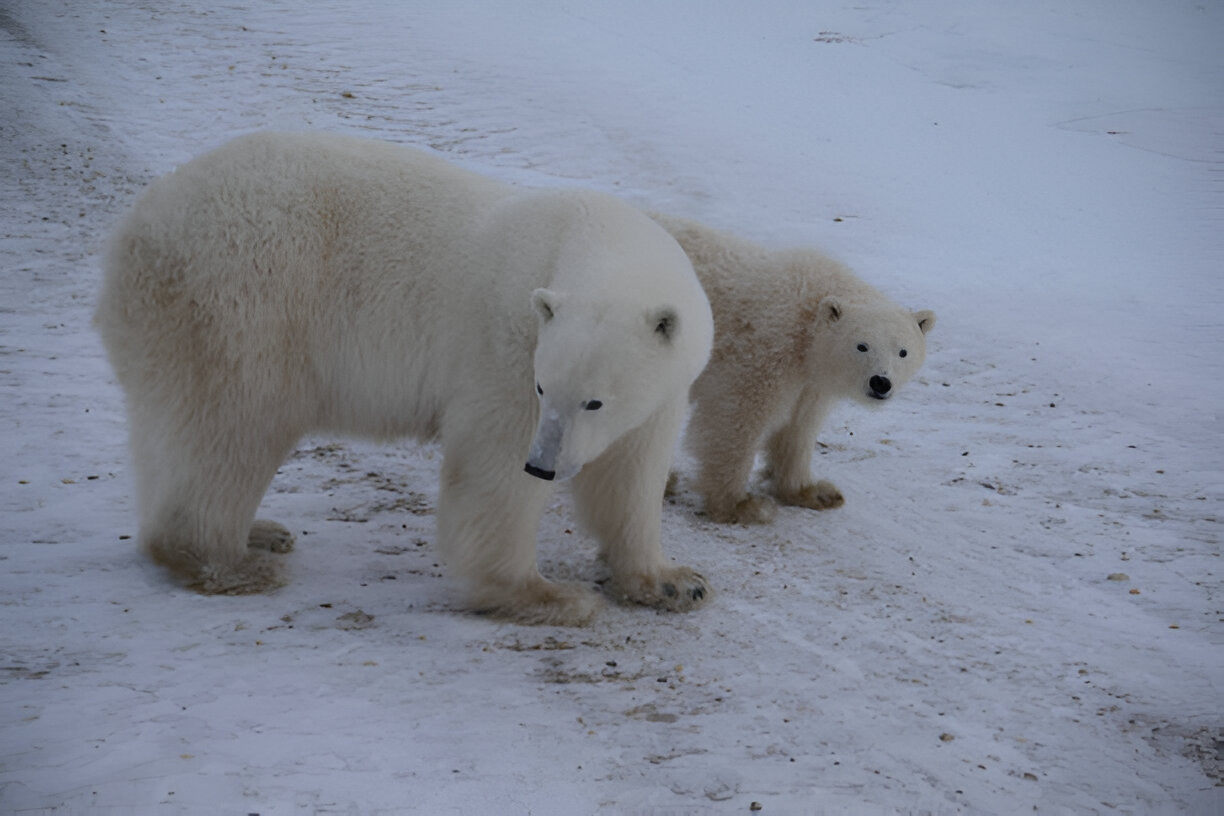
(540, 473)
(880, 385)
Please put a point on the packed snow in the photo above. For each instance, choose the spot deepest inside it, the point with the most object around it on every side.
(1019, 608)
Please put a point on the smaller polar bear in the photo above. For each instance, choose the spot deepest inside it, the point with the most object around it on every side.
(795, 332)
(287, 284)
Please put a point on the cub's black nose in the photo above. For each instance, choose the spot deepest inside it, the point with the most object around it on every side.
(540, 473)
(880, 385)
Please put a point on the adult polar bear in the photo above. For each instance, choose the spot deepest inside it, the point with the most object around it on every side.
(294, 283)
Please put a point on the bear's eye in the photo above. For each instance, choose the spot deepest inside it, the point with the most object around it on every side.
(593, 405)
(904, 353)
(539, 390)
(862, 346)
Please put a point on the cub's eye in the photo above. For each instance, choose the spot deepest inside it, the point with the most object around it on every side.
(904, 353)
(593, 405)
(862, 346)
(539, 390)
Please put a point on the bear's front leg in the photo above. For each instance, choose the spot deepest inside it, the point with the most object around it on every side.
(789, 456)
(488, 518)
(619, 498)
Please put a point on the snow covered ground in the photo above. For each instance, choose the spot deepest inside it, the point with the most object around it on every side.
(1018, 610)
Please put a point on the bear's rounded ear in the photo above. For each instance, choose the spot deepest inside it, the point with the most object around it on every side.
(664, 322)
(926, 320)
(545, 302)
(829, 308)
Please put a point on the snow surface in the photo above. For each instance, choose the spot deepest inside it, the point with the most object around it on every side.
(1017, 611)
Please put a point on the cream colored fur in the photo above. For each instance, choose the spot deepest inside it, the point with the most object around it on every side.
(287, 284)
(788, 329)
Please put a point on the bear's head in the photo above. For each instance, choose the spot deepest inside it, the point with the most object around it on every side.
(867, 351)
(602, 368)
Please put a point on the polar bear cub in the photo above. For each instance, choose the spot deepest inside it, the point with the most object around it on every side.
(795, 332)
(286, 284)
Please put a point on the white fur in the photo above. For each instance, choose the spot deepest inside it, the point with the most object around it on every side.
(286, 284)
(788, 327)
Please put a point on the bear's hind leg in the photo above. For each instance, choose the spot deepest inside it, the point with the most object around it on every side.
(199, 551)
(198, 501)
(488, 520)
(724, 434)
(619, 497)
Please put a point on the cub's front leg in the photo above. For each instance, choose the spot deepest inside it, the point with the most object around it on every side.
(789, 453)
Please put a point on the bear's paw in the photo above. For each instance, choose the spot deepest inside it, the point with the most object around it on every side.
(538, 603)
(257, 572)
(674, 589)
(748, 510)
(823, 495)
(270, 536)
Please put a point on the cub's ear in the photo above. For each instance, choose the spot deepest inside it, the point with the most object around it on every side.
(664, 322)
(830, 308)
(926, 320)
(545, 302)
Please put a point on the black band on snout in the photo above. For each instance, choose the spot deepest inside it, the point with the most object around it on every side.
(540, 473)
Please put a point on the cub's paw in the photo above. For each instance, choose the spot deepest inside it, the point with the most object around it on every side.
(675, 589)
(270, 536)
(823, 495)
(748, 510)
(538, 603)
